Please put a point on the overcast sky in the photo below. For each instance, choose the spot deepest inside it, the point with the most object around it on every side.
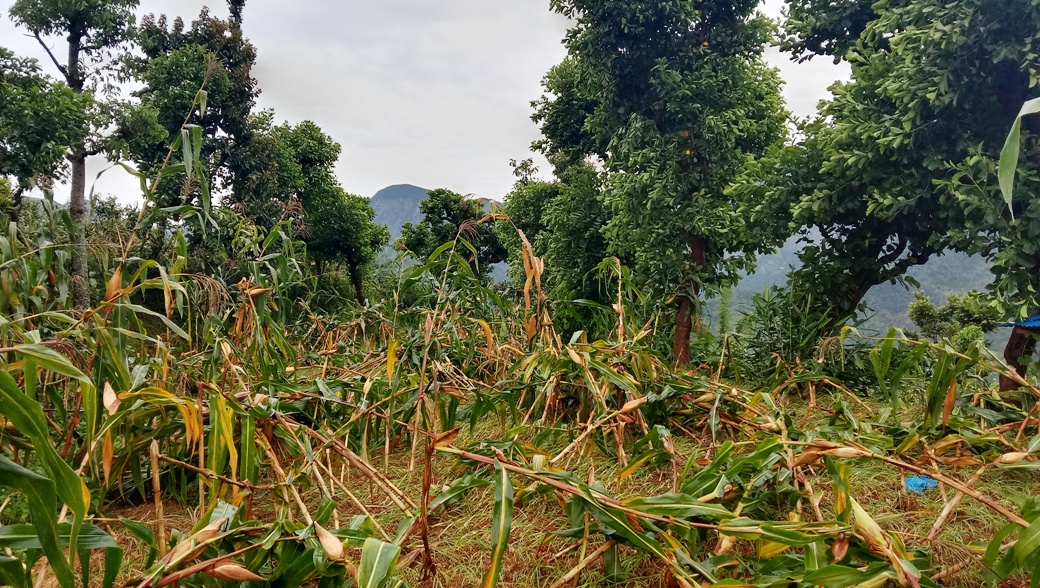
(434, 93)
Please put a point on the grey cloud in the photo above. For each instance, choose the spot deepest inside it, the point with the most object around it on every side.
(430, 92)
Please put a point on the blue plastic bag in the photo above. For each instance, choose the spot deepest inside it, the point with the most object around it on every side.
(918, 484)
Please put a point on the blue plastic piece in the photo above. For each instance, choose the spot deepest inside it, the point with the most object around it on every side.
(1032, 322)
(918, 484)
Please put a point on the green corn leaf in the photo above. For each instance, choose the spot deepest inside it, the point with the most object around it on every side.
(1028, 542)
(794, 534)
(39, 492)
(13, 573)
(501, 524)
(816, 556)
(840, 576)
(247, 469)
(680, 506)
(51, 360)
(377, 563)
(113, 561)
(456, 489)
(1010, 154)
(186, 151)
(623, 381)
(613, 573)
(196, 145)
(162, 317)
(27, 536)
(27, 416)
(145, 534)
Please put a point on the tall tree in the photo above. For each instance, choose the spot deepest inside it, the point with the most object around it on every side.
(447, 215)
(681, 97)
(39, 120)
(572, 240)
(563, 219)
(867, 184)
(177, 60)
(342, 228)
(93, 31)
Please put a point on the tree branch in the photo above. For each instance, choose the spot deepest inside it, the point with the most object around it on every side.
(64, 71)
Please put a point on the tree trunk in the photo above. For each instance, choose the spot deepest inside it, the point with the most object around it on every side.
(78, 210)
(1021, 345)
(685, 314)
(841, 313)
(16, 203)
(683, 329)
(359, 291)
(78, 194)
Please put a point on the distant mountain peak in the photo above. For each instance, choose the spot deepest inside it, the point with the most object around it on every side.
(398, 204)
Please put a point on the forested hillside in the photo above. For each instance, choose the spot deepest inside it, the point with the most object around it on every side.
(950, 273)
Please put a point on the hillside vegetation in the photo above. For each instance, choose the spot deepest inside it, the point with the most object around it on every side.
(230, 386)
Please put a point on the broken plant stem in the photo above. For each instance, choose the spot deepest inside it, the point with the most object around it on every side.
(592, 557)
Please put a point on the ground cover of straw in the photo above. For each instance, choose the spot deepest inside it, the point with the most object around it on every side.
(460, 532)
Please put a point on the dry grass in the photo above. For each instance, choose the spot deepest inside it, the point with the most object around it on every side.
(460, 532)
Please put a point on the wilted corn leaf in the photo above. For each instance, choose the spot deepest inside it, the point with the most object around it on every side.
(111, 399)
(391, 360)
(233, 572)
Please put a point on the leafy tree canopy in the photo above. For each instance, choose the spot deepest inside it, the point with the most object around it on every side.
(342, 229)
(94, 31)
(39, 120)
(680, 97)
(177, 61)
(96, 28)
(868, 183)
(447, 215)
(972, 310)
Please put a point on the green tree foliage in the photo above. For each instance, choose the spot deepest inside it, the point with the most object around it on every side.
(960, 315)
(339, 227)
(93, 31)
(825, 27)
(1007, 235)
(342, 229)
(681, 98)
(177, 61)
(39, 120)
(447, 215)
(564, 221)
(868, 184)
(561, 114)
(6, 195)
(572, 220)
